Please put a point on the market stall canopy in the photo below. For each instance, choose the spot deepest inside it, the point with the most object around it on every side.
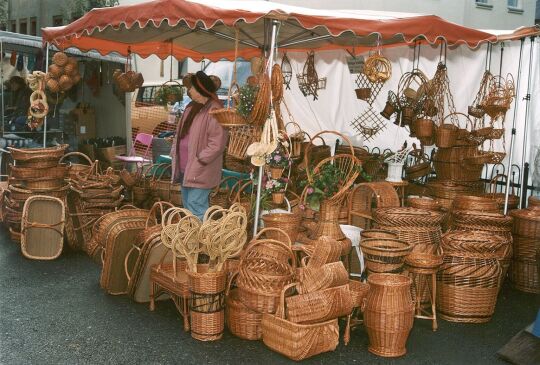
(204, 29)
(28, 43)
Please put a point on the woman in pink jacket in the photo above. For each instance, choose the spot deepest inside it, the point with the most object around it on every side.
(197, 151)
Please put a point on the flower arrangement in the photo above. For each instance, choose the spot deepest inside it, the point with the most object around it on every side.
(168, 94)
(246, 99)
(280, 156)
(276, 185)
(326, 183)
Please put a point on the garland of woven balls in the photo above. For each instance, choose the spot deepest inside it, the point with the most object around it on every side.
(63, 73)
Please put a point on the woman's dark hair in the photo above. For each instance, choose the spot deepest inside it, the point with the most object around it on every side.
(194, 109)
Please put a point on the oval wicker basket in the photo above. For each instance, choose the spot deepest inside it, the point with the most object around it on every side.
(475, 203)
(377, 233)
(384, 255)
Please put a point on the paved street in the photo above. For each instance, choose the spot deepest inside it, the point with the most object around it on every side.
(53, 312)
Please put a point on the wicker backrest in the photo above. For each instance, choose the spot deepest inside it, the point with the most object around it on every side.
(367, 196)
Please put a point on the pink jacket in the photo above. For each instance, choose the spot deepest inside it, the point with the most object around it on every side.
(207, 141)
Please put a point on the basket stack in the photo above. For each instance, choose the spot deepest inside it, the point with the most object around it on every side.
(449, 164)
(37, 171)
(446, 191)
(94, 196)
(420, 228)
(265, 268)
(469, 278)
(384, 255)
(491, 224)
(306, 322)
(524, 272)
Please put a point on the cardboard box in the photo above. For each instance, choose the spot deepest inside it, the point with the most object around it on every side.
(85, 123)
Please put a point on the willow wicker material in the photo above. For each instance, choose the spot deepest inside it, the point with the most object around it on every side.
(326, 250)
(500, 197)
(525, 275)
(424, 203)
(475, 203)
(388, 314)
(526, 222)
(377, 233)
(58, 172)
(446, 135)
(298, 341)
(467, 287)
(206, 303)
(423, 261)
(483, 221)
(266, 266)
(384, 255)
(525, 247)
(32, 157)
(44, 183)
(328, 224)
(474, 242)
(242, 321)
(42, 228)
(451, 190)
(366, 196)
(228, 117)
(359, 291)
(534, 202)
(315, 278)
(320, 306)
(288, 222)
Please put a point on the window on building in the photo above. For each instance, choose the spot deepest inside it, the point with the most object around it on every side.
(514, 4)
(23, 26)
(57, 20)
(481, 1)
(13, 26)
(33, 26)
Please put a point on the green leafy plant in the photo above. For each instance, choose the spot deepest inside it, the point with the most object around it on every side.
(246, 100)
(326, 183)
(280, 156)
(168, 94)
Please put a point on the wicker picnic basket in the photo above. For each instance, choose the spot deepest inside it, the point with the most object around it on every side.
(298, 341)
(78, 170)
(42, 227)
(388, 314)
(207, 303)
(474, 203)
(24, 173)
(319, 306)
(424, 203)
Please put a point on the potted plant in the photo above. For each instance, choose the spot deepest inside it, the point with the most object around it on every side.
(279, 159)
(277, 188)
(168, 94)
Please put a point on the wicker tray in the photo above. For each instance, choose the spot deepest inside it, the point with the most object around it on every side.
(42, 228)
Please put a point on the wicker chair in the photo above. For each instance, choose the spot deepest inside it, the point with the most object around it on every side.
(367, 196)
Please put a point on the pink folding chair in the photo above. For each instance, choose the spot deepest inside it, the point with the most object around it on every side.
(135, 156)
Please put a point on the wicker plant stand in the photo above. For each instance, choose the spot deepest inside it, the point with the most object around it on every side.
(422, 269)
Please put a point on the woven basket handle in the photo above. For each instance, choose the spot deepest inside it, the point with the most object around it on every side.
(78, 154)
(230, 283)
(152, 214)
(254, 243)
(222, 182)
(273, 229)
(493, 184)
(280, 312)
(241, 190)
(126, 259)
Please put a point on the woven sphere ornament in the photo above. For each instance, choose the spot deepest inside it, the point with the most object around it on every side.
(138, 80)
(71, 69)
(53, 85)
(76, 78)
(65, 83)
(60, 59)
(55, 71)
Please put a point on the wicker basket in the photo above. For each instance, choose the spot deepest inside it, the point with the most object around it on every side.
(446, 136)
(388, 314)
(288, 222)
(525, 275)
(467, 287)
(242, 321)
(228, 117)
(384, 255)
(206, 304)
(500, 198)
(33, 157)
(317, 278)
(526, 222)
(58, 172)
(359, 292)
(424, 203)
(298, 341)
(377, 233)
(474, 203)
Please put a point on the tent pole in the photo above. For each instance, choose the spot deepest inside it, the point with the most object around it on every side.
(261, 168)
(513, 135)
(45, 119)
(527, 98)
